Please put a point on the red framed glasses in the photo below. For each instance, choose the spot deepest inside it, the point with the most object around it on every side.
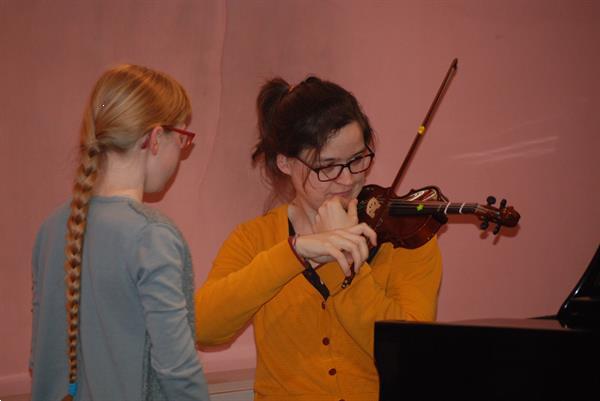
(186, 138)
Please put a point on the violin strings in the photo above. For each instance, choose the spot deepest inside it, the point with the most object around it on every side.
(437, 206)
(400, 206)
(430, 207)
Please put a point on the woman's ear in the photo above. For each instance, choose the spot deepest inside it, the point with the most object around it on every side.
(283, 164)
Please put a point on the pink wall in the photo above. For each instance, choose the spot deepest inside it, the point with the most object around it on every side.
(518, 122)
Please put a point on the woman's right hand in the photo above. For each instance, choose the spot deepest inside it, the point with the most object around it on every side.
(347, 246)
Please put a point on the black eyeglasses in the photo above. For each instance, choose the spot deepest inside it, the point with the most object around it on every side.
(331, 172)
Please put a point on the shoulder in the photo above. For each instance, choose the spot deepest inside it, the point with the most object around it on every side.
(424, 261)
(58, 216)
(258, 234)
(156, 242)
(427, 253)
(265, 228)
(155, 226)
(125, 224)
(129, 217)
(271, 220)
(55, 223)
(49, 243)
(151, 215)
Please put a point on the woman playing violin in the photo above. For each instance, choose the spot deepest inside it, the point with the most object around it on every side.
(303, 273)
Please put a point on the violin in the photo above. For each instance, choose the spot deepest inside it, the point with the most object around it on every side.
(409, 221)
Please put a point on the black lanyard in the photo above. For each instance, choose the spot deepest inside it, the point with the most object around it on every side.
(309, 273)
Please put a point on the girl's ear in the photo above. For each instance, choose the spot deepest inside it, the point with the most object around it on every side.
(153, 139)
(283, 164)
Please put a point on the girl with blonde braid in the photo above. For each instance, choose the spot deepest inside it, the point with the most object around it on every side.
(128, 330)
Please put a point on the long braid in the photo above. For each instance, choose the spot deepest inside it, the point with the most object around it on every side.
(76, 225)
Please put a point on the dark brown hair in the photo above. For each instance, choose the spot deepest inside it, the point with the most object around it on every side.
(306, 116)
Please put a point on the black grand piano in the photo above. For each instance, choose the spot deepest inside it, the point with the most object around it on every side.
(546, 358)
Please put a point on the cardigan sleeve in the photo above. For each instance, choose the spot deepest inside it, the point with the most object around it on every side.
(403, 286)
(246, 273)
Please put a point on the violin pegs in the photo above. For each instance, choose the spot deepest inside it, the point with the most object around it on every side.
(491, 200)
(497, 229)
(484, 224)
(502, 203)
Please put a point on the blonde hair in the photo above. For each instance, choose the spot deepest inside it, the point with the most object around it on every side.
(126, 103)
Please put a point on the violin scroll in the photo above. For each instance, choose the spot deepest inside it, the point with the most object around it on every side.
(502, 216)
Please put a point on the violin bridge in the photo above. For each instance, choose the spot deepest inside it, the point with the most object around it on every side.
(372, 205)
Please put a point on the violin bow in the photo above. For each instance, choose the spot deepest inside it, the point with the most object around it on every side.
(420, 133)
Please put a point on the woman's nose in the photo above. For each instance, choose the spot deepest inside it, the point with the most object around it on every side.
(345, 176)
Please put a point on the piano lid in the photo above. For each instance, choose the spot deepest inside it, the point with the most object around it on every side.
(582, 306)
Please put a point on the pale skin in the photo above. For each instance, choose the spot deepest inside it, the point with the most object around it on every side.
(140, 170)
(324, 213)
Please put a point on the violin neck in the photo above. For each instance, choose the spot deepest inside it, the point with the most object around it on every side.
(415, 208)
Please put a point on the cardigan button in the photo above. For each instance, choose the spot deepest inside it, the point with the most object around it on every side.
(323, 305)
(325, 340)
(332, 371)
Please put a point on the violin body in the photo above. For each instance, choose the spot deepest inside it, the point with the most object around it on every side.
(409, 231)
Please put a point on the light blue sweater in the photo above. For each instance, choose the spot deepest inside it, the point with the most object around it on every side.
(137, 339)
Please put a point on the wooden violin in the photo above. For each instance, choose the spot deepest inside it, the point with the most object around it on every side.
(411, 220)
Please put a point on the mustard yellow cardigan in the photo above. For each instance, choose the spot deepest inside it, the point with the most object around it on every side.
(309, 349)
